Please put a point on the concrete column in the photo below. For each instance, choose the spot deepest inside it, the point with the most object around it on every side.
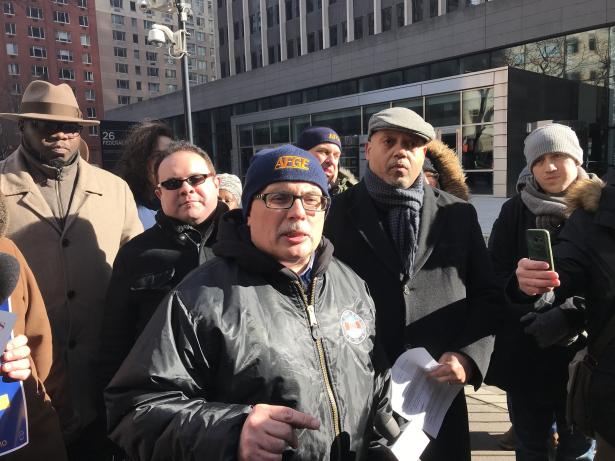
(230, 37)
(303, 26)
(441, 7)
(264, 41)
(282, 8)
(246, 35)
(350, 20)
(325, 25)
(377, 17)
(407, 12)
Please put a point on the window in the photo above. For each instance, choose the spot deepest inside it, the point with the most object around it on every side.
(591, 44)
(61, 2)
(11, 49)
(133, 6)
(61, 17)
(200, 36)
(237, 31)
(370, 24)
(153, 87)
(119, 35)
(133, 23)
(333, 35)
(66, 74)
(88, 76)
(121, 99)
(38, 52)
(120, 52)
(65, 55)
(147, 24)
(34, 12)
(171, 87)
(121, 68)
(151, 56)
(85, 40)
(13, 68)
(311, 42)
(358, 28)
(90, 95)
(152, 72)
(400, 14)
(93, 130)
(309, 6)
(201, 79)
(86, 58)
(221, 36)
(15, 88)
(8, 8)
(138, 70)
(135, 38)
(122, 84)
(117, 20)
(136, 54)
(170, 73)
(63, 36)
(202, 65)
(91, 112)
(82, 3)
(201, 51)
(36, 32)
(138, 86)
(83, 21)
(40, 72)
(116, 3)
(386, 18)
(10, 29)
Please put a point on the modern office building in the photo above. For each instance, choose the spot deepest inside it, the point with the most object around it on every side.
(482, 73)
(55, 41)
(133, 70)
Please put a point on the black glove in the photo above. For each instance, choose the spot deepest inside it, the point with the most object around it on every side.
(547, 328)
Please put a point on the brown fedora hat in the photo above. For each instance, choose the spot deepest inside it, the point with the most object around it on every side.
(44, 101)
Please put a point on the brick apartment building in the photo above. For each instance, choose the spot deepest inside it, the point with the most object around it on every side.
(53, 40)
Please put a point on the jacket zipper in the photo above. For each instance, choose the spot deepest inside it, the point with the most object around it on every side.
(324, 368)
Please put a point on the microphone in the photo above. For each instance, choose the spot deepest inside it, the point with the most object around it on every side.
(387, 426)
(9, 275)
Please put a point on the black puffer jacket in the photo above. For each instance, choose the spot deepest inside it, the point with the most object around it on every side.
(236, 333)
(145, 270)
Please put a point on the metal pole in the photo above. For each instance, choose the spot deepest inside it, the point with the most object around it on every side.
(185, 76)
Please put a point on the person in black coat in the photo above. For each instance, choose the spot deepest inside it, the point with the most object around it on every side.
(422, 254)
(530, 362)
(585, 265)
(154, 262)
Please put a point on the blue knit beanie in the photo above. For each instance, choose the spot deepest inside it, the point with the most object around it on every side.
(283, 163)
(315, 135)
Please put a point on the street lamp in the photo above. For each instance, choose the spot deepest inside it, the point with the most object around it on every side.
(160, 35)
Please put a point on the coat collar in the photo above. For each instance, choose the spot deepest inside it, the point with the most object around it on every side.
(365, 217)
(18, 181)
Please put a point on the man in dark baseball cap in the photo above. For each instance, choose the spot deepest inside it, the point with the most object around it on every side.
(325, 144)
(422, 254)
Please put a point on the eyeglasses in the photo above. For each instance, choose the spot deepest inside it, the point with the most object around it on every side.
(284, 201)
(176, 183)
(72, 130)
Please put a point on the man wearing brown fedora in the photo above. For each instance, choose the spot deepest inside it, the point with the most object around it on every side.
(69, 219)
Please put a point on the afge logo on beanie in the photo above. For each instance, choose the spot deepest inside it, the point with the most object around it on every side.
(334, 137)
(293, 162)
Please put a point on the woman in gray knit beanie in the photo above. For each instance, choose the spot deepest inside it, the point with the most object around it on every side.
(230, 190)
(532, 353)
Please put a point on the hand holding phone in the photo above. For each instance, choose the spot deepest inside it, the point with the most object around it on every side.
(539, 246)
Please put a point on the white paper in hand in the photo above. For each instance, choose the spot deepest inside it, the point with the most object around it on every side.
(7, 321)
(417, 397)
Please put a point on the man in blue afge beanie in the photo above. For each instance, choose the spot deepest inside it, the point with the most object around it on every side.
(284, 163)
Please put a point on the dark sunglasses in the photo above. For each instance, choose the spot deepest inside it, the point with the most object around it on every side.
(176, 183)
(69, 129)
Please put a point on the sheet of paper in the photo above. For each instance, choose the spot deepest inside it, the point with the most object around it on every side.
(7, 320)
(412, 442)
(414, 395)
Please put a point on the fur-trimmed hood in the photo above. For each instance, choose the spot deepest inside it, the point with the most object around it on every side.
(452, 179)
(585, 194)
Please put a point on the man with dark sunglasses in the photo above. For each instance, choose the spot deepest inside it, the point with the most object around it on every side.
(69, 219)
(151, 264)
(265, 352)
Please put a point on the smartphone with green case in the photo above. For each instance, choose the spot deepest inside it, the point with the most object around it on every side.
(539, 246)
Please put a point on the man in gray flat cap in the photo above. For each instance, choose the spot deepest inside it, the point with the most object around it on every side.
(422, 254)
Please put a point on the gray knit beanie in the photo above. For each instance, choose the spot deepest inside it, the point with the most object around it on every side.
(549, 139)
(231, 183)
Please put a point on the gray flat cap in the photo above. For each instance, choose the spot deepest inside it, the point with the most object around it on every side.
(401, 119)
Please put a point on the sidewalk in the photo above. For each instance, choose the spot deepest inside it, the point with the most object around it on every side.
(488, 419)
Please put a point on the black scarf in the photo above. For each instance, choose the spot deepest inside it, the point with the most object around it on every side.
(403, 211)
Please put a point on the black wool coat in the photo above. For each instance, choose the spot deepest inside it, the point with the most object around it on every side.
(518, 365)
(450, 304)
(144, 272)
